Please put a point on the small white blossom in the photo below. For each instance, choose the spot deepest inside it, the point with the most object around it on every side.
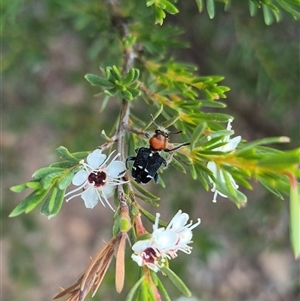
(96, 179)
(230, 145)
(164, 242)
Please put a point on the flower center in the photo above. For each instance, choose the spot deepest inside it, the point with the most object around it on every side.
(97, 178)
(150, 255)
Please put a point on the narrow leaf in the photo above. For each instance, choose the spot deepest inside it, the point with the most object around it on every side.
(66, 179)
(32, 184)
(176, 281)
(144, 191)
(29, 202)
(46, 171)
(210, 6)
(151, 202)
(199, 5)
(96, 80)
(268, 16)
(152, 218)
(177, 165)
(256, 143)
(197, 133)
(63, 152)
(162, 289)
(132, 292)
(128, 78)
(281, 160)
(53, 202)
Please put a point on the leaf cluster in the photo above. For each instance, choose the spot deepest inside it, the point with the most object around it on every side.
(49, 184)
(115, 84)
(272, 9)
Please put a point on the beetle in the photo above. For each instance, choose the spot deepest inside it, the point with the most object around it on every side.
(148, 159)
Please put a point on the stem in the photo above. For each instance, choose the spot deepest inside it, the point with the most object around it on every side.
(121, 25)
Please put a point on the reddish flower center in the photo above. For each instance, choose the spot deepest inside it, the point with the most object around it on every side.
(150, 255)
(97, 178)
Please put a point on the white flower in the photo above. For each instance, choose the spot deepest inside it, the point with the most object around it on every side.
(97, 180)
(164, 242)
(230, 145)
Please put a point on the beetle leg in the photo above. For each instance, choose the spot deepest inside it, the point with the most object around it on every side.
(155, 178)
(164, 162)
(129, 159)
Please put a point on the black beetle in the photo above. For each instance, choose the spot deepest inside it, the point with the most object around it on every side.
(148, 160)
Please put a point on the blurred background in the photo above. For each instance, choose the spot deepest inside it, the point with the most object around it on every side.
(48, 47)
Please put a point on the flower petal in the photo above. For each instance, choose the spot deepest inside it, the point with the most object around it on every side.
(141, 245)
(138, 259)
(178, 221)
(232, 144)
(90, 197)
(96, 159)
(108, 190)
(166, 240)
(212, 166)
(80, 177)
(115, 169)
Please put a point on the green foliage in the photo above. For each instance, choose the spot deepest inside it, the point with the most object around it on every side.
(114, 84)
(272, 9)
(49, 184)
(177, 96)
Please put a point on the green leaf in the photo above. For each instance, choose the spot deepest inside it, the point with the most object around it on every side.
(197, 133)
(210, 6)
(202, 172)
(127, 95)
(177, 165)
(295, 13)
(30, 202)
(268, 15)
(50, 179)
(63, 152)
(254, 144)
(281, 160)
(53, 202)
(151, 217)
(159, 15)
(46, 171)
(151, 202)
(96, 80)
(129, 77)
(170, 8)
(21, 187)
(162, 288)
(193, 172)
(144, 191)
(66, 179)
(252, 8)
(147, 286)
(212, 104)
(295, 219)
(116, 73)
(134, 92)
(199, 5)
(176, 281)
(270, 187)
(132, 292)
(62, 164)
